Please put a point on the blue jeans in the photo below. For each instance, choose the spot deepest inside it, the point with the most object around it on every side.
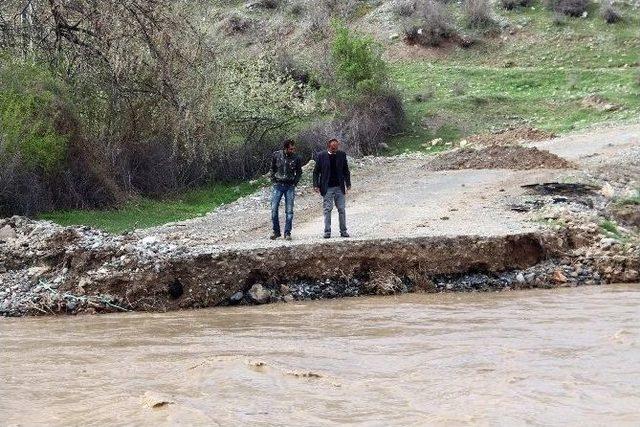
(289, 193)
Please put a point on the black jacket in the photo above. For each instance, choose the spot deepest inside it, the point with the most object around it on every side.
(286, 169)
(322, 171)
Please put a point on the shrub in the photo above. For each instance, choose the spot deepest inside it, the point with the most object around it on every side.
(236, 24)
(574, 8)
(292, 67)
(404, 8)
(478, 14)
(432, 26)
(359, 67)
(256, 100)
(321, 12)
(44, 161)
(21, 190)
(515, 4)
(265, 4)
(297, 8)
(32, 114)
(363, 129)
(370, 122)
(609, 13)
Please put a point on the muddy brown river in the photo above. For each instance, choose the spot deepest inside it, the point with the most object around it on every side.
(569, 356)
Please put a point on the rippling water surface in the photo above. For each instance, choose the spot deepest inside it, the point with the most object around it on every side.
(534, 357)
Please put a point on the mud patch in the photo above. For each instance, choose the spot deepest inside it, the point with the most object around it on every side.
(497, 157)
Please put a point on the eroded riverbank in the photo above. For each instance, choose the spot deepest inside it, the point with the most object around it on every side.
(447, 230)
(541, 357)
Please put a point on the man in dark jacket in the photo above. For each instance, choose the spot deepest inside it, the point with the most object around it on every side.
(286, 170)
(332, 179)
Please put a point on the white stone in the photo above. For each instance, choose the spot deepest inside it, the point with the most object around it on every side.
(8, 233)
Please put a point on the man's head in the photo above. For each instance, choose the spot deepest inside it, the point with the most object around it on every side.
(289, 146)
(333, 145)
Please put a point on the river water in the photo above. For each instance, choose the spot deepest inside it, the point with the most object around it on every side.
(569, 356)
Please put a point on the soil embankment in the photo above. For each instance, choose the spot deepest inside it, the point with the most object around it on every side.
(414, 229)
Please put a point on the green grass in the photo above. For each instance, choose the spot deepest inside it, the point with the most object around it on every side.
(145, 212)
(610, 227)
(536, 42)
(495, 98)
(632, 200)
(536, 76)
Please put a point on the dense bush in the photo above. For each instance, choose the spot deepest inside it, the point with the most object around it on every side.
(610, 13)
(132, 101)
(478, 14)
(235, 24)
(358, 64)
(33, 110)
(573, 8)
(140, 100)
(404, 8)
(430, 26)
(364, 127)
(515, 4)
(44, 161)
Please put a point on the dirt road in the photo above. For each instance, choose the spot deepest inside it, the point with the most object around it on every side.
(400, 197)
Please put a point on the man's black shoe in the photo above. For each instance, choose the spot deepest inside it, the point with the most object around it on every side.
(327, 235)
(274, 236)
(287, 237)
(345, 234)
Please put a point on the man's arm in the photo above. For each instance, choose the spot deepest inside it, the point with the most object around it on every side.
(346, 172)
(298, 171)
(274, 166)
(316, 173)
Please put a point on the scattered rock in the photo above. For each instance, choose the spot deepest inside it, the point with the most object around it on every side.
(259, 294)
(8, 233)
(559, 277)
(237, 297)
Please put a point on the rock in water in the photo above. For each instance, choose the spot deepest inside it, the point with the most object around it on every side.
(259, 294)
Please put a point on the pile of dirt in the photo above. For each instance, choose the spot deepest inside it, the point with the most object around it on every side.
(511, 136)
(497, 157)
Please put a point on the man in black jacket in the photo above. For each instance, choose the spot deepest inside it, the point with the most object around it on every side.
(332, 179)
(286, 170)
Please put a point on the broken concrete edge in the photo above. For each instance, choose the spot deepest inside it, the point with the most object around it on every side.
(77, 269)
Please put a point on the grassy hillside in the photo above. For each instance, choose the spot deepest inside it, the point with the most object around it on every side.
(536, 73)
